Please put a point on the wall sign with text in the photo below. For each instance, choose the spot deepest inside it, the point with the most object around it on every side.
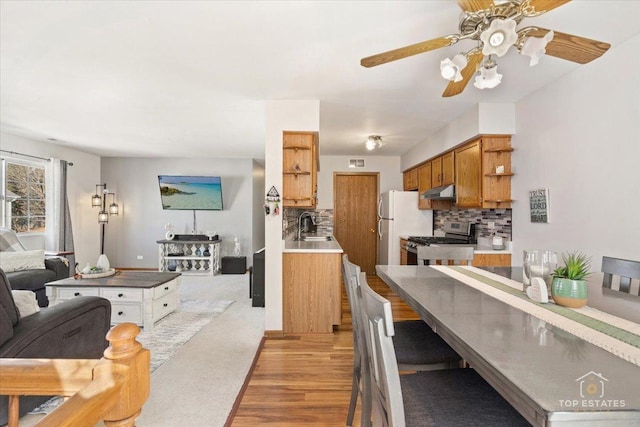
(539, 205)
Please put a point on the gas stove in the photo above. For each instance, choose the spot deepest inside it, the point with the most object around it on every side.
(456, 232)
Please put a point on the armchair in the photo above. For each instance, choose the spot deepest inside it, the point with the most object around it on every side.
(56, 268)
(73, 329)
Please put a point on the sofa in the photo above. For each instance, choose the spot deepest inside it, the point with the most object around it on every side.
(73, 329)
(30, 270)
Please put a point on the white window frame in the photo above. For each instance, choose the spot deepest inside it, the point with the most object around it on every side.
(4, 208)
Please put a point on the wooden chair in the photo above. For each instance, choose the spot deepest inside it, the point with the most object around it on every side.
(450, 397)
(627, 271)
(445, 255)
(417, 347)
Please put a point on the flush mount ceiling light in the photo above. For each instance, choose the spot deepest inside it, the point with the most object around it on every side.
(493, 25)
(373, 142)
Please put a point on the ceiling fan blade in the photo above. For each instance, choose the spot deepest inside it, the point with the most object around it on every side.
(474, 5)
(455, 88)
(403, 52)
(541, 6)
(572, 48)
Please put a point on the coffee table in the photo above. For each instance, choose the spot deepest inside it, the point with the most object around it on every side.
(138, 297)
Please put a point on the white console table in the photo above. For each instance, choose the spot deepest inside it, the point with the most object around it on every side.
(189, 256)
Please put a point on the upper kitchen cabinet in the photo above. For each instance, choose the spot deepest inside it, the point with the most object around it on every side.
(299, 169)
(442, 170)
(483, 173)
(410, 180)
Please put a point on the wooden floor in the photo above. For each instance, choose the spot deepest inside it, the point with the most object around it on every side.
(306, 380)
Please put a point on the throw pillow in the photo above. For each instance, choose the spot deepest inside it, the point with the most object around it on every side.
(24, 260)
(26, 302)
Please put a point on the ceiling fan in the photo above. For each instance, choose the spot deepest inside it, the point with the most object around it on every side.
(492, 24)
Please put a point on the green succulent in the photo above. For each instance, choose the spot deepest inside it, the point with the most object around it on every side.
(576, 266)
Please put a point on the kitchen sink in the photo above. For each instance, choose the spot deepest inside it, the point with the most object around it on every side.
(316, 238)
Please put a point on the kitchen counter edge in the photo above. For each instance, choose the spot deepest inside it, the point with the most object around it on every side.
(296, 246)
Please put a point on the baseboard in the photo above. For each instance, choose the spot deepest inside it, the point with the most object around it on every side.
(273, 334)
(136, 269)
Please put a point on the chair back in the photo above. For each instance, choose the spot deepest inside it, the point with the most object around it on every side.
(624, 271)
(446, 255)
(351, 276)
(9, 241)
(388, 409)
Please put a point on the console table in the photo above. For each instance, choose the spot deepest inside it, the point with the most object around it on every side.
(189, 256)
(142, 298)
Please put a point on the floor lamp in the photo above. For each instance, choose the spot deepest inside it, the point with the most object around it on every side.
(99, 200)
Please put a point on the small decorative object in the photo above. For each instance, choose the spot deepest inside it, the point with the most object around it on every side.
(169, 235)
(539, 205)
(537, 291)
(206, 252)
(497, 243)
(236, 247)
(500, 169)
(86, 269)
(272, 202)
(569, 287)
(103, 262)
(539, 263)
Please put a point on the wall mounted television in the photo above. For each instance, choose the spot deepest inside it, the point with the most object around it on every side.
(182, 192)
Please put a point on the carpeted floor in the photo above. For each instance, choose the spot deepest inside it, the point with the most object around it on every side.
(196, 383)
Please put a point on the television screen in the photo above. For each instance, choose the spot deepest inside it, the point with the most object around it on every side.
(179, 192)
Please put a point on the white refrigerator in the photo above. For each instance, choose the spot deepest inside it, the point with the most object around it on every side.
(398, 215)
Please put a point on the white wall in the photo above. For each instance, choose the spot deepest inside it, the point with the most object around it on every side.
(142, 220)
(580, 137)
(388, 166)
(281, 116)
(484, 118)
(82, 179)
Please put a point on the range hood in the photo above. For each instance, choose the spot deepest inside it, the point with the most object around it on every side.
(446, 192)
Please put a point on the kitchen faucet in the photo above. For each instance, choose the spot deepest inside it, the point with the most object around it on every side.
(313, 221)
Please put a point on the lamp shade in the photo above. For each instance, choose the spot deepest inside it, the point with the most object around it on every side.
(96, 200)
(488, 78)
(500, 35)
(450, 69)
(535, 47)
(113, 209)
(103, 217)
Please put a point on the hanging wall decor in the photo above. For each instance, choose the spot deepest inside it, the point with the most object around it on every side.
(539, 205)
(272, 202)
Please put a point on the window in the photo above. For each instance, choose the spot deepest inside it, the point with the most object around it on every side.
(24, 196)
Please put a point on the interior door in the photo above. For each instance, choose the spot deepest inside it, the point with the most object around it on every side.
(355, 212)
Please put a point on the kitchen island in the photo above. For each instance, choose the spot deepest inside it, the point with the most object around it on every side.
(311, 286)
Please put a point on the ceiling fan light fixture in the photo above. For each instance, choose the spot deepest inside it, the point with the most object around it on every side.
(488, 78)
(373, 142)
(500, 35)
(450, 68)
(535, 47)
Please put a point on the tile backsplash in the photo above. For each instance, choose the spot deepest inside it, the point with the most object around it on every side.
(323, 218)
(481, 217)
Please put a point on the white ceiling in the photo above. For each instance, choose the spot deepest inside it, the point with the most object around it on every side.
(166, 78)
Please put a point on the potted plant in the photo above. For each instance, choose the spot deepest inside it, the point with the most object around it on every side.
(569, 287)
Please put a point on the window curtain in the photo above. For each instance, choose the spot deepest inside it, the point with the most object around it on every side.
(59, 234)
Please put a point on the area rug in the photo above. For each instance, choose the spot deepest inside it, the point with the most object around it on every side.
(167, 337)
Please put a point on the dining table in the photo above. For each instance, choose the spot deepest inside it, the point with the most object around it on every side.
(556, 366)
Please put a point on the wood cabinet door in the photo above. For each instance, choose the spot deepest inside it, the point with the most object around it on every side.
(448, 168)
(492, 260)
(410, 180)
(468, 171)
(436, 172)
(424, 183)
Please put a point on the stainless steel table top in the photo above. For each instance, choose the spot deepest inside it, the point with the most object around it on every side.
(551, 376)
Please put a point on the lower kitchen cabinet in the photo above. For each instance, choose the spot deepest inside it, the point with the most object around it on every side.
(492, 260)
(311, 292)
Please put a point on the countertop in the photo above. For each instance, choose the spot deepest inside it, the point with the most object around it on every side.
(289, 245)
(482, 247)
